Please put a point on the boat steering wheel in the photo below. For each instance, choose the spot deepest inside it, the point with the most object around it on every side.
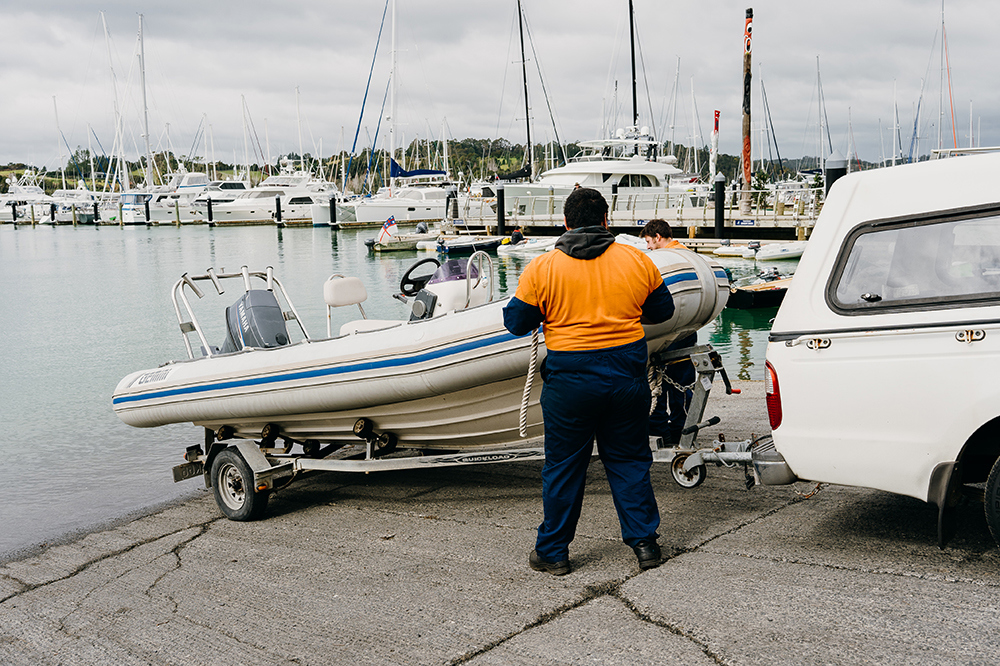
(411, 285)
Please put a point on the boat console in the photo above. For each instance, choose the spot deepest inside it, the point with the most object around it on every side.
(455, 285)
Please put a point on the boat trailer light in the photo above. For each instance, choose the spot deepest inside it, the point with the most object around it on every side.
(261, 487)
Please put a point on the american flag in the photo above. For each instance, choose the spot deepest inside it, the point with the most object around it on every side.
(388, 229)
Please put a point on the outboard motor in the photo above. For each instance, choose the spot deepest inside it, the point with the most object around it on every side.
(255, 320)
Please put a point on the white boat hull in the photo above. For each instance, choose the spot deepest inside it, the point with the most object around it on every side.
(452, 382)
(776, 251)
(374, 212)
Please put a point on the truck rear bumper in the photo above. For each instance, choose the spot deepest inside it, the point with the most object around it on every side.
(770, 466)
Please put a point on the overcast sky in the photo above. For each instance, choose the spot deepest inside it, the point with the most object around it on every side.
(459, 72)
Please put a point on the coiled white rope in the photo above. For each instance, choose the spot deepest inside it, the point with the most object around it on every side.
(654, 375)
(523, 415)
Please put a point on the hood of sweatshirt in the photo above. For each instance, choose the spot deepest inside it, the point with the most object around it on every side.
(585, 242)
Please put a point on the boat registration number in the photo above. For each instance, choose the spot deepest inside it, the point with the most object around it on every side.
(188, 470)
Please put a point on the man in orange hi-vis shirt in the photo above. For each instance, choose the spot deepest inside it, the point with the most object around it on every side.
(590, 295)
(668, 416)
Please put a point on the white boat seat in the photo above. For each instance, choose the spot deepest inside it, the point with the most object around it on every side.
(362, 325)
(339, 291)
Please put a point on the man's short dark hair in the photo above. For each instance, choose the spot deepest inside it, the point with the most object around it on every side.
(654, 227)
(585, 207)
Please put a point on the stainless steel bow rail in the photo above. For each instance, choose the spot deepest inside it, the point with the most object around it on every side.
(190, 324)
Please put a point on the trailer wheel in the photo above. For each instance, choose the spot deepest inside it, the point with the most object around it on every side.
(232, 485)
(992, 503)
(363, 428)
(386, 443)
(691, 479)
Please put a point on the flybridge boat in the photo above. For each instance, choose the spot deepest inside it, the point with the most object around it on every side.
(623, 169)
(450, 378)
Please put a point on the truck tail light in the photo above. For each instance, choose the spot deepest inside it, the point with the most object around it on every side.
(773, 394)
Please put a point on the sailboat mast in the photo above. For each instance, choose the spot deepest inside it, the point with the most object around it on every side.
(62, 165)
(631, 34)
(392, 98)
(246, 148)
(211, 136)
(695, 137)
(673, 107)
(940, 135)
(267, 148)
(444, 148)
(204, 139)
(145, 109)
(970, 123)
(895, 122)
(116, 150)
(529, 151)
(90, 155)
(298, 121)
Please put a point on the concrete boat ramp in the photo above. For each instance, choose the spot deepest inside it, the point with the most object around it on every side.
(430, 567)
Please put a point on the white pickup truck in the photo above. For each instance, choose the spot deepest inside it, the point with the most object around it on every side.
(883, 363)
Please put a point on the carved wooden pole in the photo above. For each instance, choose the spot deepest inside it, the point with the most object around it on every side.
(747, 163)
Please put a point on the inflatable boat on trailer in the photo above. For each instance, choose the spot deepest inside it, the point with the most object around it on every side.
(449, 379)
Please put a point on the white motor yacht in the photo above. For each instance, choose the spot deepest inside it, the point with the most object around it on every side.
(25, 200)
(170, 203)
(74, 206)
(294, 192)
(636, 183)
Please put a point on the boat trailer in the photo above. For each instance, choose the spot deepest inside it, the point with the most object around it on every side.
(244, 472)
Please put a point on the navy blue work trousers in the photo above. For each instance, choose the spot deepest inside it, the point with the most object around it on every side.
(602, 394)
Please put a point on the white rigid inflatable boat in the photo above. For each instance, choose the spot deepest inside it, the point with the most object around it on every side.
(449, 379)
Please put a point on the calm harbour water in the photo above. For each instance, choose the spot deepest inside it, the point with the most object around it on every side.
(84, 307)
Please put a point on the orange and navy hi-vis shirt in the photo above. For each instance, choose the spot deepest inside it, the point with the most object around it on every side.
(590, 304)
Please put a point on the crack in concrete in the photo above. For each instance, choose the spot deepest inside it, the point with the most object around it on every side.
(613, 589)
(62, 621)
(835, 567)
(17, 582)
(28, 587)
(878, 572)
(672, 628)
(590, 593)
(176, 552)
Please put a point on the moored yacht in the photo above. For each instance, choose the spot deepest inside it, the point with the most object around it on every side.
(419, 196)
(289, 195)
(25, 200)
(636, 183)
(170, 203)
(74, 206)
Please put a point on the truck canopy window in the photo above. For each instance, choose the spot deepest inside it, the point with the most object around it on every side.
(942, 262)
